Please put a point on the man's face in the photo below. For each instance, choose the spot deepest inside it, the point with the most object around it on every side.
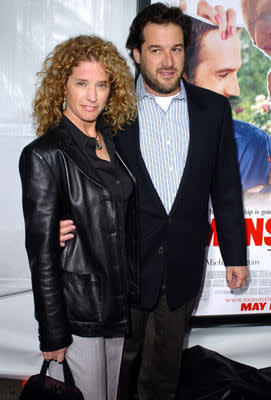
(219, 62)
(161, 58)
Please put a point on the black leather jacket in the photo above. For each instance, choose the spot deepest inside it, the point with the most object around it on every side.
(82, 289)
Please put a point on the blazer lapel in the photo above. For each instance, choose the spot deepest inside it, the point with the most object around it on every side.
(196, 112)
(128, 144)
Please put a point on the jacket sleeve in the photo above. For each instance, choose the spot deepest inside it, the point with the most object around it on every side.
(226, 195)
(41, 206)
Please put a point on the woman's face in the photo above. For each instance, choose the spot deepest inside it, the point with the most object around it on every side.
(87, 92)
(262, 32)
(262, 27)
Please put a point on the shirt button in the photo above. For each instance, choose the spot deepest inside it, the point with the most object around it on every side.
(160, 250)
(117, 181)
(169, 219)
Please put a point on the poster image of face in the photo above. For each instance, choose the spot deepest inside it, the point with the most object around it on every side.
(230, 54)
(222, 58)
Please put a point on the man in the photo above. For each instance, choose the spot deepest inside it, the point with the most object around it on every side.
(180, 150)
(213, 63)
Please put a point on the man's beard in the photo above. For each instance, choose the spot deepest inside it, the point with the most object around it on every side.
(157, 86)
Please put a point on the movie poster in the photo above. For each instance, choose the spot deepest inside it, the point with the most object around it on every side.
(230, 54)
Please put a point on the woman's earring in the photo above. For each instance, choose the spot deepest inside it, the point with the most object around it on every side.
(64, 104)
(106, 108)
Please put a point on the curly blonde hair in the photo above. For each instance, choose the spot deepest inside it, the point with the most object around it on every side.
(57, 67)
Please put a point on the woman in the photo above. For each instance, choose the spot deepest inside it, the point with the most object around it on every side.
(72, 170)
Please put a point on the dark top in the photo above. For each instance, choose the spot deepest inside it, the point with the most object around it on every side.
(80, 289)
(111, 172)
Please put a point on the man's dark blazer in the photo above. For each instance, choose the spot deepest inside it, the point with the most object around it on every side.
(174, 244)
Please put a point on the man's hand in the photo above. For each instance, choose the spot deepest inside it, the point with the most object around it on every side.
(57, 355)
(224, 19)
(236, 276)
(66, 228)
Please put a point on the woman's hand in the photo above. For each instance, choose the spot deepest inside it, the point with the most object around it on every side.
(225, 19)
(66, 228)
(57, 355)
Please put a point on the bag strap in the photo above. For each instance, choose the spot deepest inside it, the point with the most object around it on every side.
(67, 373)
(44, 367)
(68, 378)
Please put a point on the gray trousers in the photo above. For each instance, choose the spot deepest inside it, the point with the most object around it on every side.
(95, 365)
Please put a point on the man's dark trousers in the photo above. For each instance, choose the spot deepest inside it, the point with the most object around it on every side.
(160, 334)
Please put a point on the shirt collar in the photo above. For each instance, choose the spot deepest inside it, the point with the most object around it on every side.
(80, 138)
(84, 140)
(142, 92)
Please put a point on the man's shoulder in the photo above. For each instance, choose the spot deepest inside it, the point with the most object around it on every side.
(126, 130)
(203, 94)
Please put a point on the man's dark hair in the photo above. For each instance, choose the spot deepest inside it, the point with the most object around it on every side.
(192, 55)
(161, 14)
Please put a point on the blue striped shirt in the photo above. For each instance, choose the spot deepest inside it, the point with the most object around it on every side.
(164, 140)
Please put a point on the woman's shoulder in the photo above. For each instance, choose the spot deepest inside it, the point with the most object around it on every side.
(47, 145)
(51, 140)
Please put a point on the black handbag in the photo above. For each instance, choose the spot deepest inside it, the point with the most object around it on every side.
(43, 387)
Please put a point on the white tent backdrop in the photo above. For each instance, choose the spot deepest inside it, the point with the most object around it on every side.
(30, 29)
